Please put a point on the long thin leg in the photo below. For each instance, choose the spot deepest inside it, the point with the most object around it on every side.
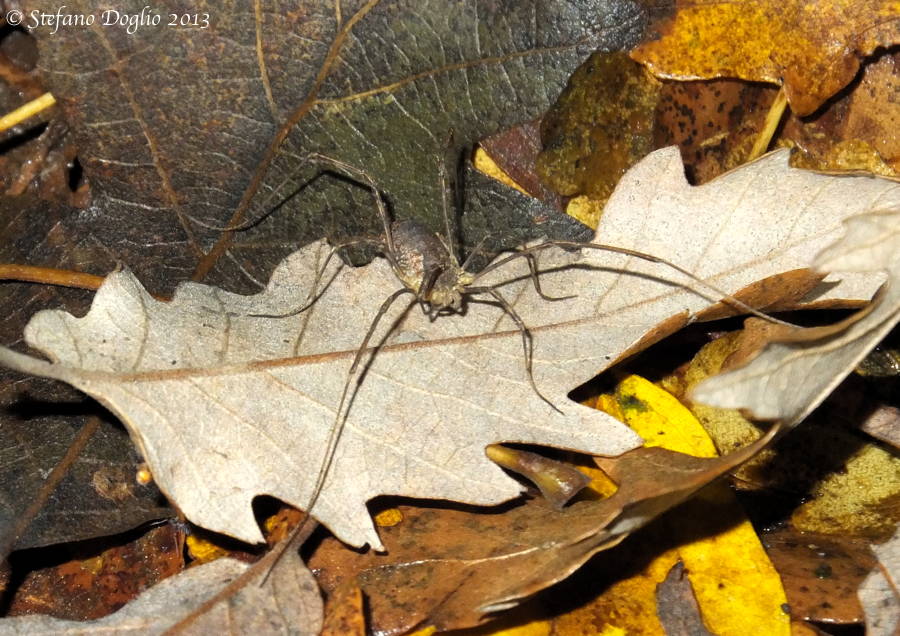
(365, 176)
(340, 418)
(429, 278)
(316, 157)
(478, 248)
(445, 191)
(533, 268)
(642, 255)
(337, 429)
(314, 292)
(527, 343)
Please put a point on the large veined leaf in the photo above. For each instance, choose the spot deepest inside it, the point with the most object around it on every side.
(173, 124)
(225, 406)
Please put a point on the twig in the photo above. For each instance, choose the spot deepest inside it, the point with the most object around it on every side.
(26, 111)
(50, 276)
(773, 118)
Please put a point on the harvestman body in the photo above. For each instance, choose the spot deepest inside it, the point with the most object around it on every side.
(429, 269)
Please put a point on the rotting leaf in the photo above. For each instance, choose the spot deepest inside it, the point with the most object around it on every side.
(93, 583)
(820, 573)
(612, 113)
(173, 124)
(270, 386)
(222, 597)
(813, 48)
(600, 126)
(40, 421)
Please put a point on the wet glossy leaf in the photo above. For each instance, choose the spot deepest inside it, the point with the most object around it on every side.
(173, 124)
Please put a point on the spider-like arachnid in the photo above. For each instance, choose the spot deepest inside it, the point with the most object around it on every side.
(429, 269)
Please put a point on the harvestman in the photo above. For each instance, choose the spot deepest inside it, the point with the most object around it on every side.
(429, 269)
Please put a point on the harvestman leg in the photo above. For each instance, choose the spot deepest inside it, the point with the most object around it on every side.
(527, 342)
(314, 293)
(739, 304)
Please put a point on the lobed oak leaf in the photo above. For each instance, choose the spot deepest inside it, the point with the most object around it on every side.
(226, 406)
(796, 371)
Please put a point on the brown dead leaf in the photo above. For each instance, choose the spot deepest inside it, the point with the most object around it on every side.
(677, 606)
(820, 573)
(557, 481)
(222, 597)
(91, 583)
(516, 152)
(812, 48)
(344, 614)
(420, 420)
(755, 335)
(451, 568)
(858, 131)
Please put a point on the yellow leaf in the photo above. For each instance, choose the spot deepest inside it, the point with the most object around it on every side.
(737, 587)
(203, 551)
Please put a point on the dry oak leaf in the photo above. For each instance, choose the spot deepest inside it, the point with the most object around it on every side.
(454, 568)
(793, 374)
(221, 597)
(880, 592)
(813, 48)
(225, 407)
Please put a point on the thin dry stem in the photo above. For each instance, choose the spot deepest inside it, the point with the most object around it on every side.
(50, 276)
(773, 118)
(27, 111)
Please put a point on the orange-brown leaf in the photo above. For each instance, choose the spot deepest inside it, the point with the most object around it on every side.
(812, 48)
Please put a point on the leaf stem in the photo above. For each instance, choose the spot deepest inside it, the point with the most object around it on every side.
(26, 111)
(50, 276)
(773, 118)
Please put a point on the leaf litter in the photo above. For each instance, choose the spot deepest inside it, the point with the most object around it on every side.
(143, 359)
(795, 371)
(447, 567)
